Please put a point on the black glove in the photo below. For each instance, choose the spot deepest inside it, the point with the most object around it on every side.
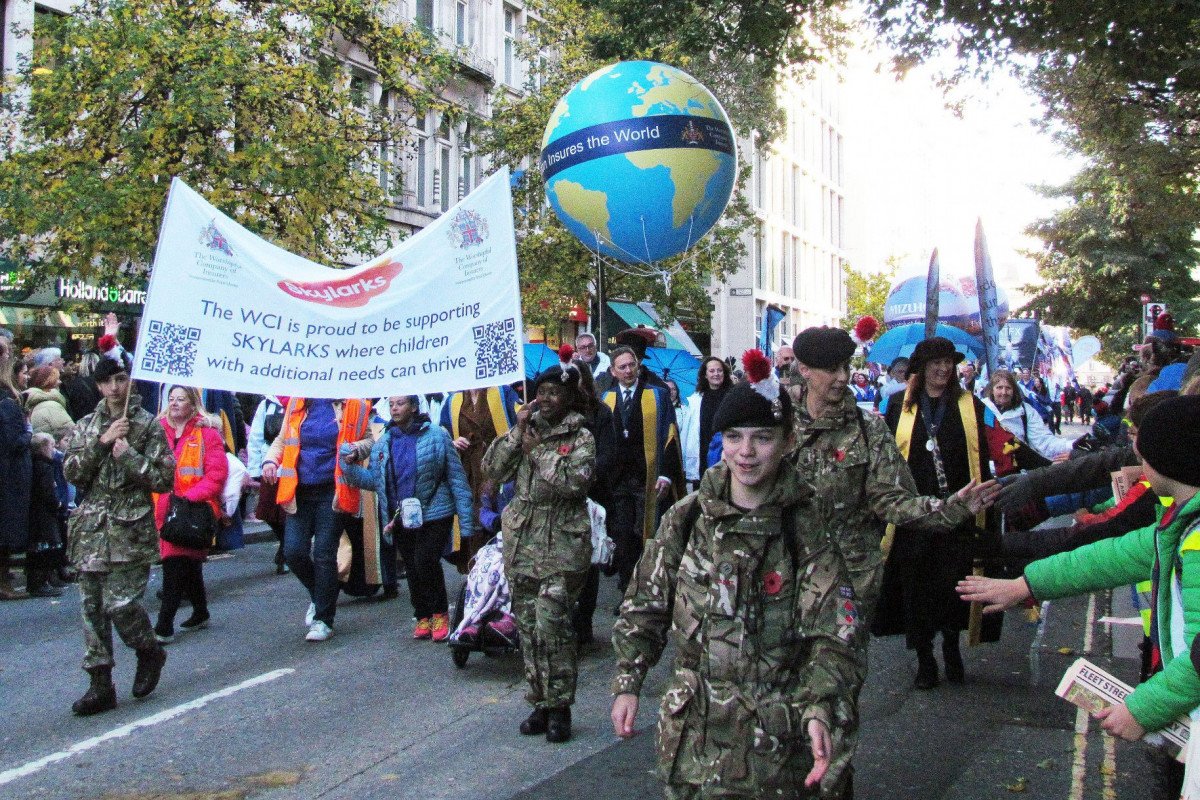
(1015, 495)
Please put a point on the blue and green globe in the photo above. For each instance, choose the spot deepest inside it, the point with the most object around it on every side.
(639, 161)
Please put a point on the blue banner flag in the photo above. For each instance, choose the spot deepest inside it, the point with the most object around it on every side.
(932, 293)
(989, 306)
(772, 316)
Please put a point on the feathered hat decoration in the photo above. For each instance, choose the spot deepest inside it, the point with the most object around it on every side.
(762, 379)
(565, 352)
(865, 329)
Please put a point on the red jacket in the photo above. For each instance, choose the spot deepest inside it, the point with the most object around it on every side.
(209, 487)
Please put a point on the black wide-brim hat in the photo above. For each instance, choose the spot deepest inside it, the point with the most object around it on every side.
(932, 349)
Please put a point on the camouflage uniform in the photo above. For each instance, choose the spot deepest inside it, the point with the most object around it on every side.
(866, 481)
(765, 635)
(113, 541)
(547, 546)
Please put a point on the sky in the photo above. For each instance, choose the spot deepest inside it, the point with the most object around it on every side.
(918, 176)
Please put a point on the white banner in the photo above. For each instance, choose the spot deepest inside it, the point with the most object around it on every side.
(441, 312)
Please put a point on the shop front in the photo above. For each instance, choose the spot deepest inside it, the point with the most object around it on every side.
(67, 313)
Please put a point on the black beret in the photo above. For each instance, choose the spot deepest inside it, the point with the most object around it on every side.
(823, 348)
(1169, 438)
(744, 407)
(931, 349)
(563, 376)
(106, 369)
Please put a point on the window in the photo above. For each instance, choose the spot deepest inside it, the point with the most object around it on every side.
(425, 15)
(444, 174)
(462, 23)
(760, 178)
(509, 74)
(759, 258)
(784, 261)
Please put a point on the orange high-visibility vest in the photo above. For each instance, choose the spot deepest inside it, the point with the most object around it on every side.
(353, 427)
(189, 469)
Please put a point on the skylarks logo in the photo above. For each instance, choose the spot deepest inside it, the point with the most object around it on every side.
(346, 292)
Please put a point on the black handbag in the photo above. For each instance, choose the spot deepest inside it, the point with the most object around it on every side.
(189, 524)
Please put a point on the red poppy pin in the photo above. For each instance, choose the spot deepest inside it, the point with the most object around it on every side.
(840, 456)
(772, 583)
(564, 449)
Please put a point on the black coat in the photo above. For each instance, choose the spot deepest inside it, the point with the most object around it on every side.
(15, 476)
(45, 518)
(918, 597)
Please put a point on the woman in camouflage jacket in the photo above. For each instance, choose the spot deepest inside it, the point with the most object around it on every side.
(551, 457)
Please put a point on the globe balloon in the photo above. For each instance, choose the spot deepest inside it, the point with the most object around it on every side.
(639, 161)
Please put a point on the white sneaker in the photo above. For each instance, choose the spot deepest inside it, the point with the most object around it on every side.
(318, 632)
(310, 615)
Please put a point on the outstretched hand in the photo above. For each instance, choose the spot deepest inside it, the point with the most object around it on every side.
(996, 594)
(979, 496)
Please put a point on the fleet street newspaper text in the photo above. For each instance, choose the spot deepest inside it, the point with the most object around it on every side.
(228, 310)
(1087, 686)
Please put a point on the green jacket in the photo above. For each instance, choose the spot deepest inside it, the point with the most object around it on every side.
(547, 530)
(115, 523)
(1128, 559)
(764, 633)
(851, 459)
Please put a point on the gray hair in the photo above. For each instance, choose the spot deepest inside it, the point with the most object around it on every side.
(44, 356)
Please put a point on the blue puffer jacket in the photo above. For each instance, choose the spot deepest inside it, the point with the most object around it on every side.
(442, 484)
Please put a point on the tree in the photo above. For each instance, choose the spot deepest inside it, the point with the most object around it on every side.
(556, 269)
(1123, 235)
(867, 293)
(248, 101)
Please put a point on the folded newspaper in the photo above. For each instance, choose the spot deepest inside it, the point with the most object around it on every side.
(1091, 688)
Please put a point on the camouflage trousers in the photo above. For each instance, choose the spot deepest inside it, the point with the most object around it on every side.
(543, 612)
(113, 600)
(690, 791)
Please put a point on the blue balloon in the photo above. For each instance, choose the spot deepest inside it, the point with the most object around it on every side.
(639, 161)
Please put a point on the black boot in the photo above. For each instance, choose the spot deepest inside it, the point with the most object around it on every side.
(38, 585)
(100, 696)
(149, 668)
(955, 671)
(280, 564)
(535, 723)
(927, 669)
(558, 725)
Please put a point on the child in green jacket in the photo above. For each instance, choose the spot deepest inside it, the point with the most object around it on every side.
(1168, 442)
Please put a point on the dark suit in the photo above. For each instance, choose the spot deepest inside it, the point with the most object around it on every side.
(635, 507)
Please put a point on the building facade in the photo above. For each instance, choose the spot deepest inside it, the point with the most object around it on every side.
(425, 175)
(796, 259)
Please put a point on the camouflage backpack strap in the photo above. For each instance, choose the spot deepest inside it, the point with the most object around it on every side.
(862, 429)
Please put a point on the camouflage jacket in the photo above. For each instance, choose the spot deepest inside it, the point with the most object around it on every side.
(765, 636)
(547, 530)
(850, 458)
(115, 523)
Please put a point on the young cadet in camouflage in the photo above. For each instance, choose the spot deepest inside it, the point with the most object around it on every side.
(116, 459)
(744, 576)
(547, 540)
(850, 458)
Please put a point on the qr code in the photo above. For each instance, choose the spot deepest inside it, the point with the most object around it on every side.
(495, 348)
(170, 348)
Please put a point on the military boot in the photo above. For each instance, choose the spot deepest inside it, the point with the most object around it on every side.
(535, 723)
(927, 669)
(558, 725)
(100, 696)
(149, 668)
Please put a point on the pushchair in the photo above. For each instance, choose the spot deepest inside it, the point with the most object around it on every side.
(482, 621)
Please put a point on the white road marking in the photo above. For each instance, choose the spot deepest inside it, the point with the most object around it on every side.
(10, 775)
(1082, 721)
